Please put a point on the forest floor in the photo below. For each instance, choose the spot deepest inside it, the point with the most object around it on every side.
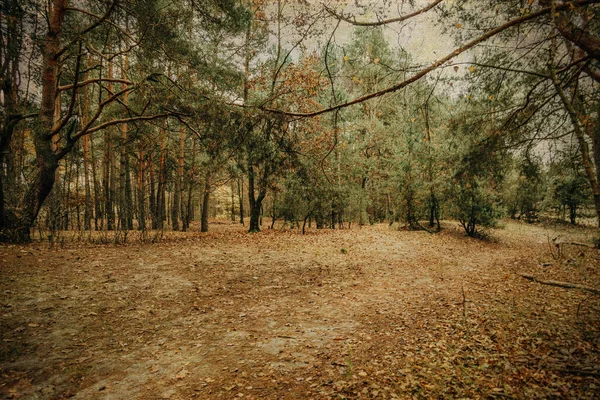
(369, 312)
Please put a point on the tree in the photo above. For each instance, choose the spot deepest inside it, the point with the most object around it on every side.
(478, 171)
(67, 36)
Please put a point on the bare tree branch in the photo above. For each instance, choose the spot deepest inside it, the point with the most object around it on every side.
(353, 21)
(94, 80)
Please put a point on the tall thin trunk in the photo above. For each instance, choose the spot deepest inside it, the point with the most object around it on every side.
(176, 209)
(205, 203)
(87, 214)
(112, 188)
(232, 200)
(77, 203)
(97, 190)
(162, 179)
(189, 208)
(108, 169)
(125, 200)
(65, 210)
(241, 198)
(141, 191)
(153, 197)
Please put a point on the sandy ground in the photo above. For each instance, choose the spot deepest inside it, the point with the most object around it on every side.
(370, 312)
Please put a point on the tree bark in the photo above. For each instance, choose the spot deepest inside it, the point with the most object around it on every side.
(233, 200)
(126, 200)
(205, 203)
(191, 177)
(17, 229)
(162, 180)
(256, 201)
(241, 198)
(177, 195)
(96, 184)
(141, 190)
(87, 213)
(153, 209)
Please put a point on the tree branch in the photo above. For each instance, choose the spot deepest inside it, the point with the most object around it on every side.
(91, 27)
(384, 22)
(94, 80)
(65, 150)
(566, 285)
(489, 34)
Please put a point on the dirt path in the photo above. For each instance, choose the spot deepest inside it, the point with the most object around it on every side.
(362, 313)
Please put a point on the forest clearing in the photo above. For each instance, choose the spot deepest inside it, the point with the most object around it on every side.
(368, 312)
(316, 199)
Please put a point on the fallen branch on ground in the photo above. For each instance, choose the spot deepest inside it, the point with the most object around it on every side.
(580, 372)
(566, 285)
(579, 244)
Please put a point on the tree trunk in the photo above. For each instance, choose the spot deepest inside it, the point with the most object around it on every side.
(97, 190)
(141, 191)
(87, 213)
(112, 187)
(241, 198)
(177, 194)
(255, 202)
(191, 173)
(162, 180)
(153, 209)
(205, 203)
(256, 208)
(17, 229)
(126, 200)
(233, 201)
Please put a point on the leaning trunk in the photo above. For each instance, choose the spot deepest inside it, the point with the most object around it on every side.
(17, 229)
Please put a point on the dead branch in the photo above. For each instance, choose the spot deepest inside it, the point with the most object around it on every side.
(552, 243)
(589, 246)
(353, 20)
(566, 285)
(580, 372)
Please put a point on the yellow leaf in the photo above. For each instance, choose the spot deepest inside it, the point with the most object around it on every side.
(345, 58)
(412, 120)
(458, 25)
(376, 60)
(492, 98)
(472, 68)
(182, 374)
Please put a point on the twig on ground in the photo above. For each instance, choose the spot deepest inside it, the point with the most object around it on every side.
(566, 285)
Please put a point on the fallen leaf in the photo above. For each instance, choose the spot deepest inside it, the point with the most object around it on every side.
(182, 374)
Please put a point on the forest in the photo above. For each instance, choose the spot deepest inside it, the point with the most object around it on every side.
(129, 116)
(320, 199)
